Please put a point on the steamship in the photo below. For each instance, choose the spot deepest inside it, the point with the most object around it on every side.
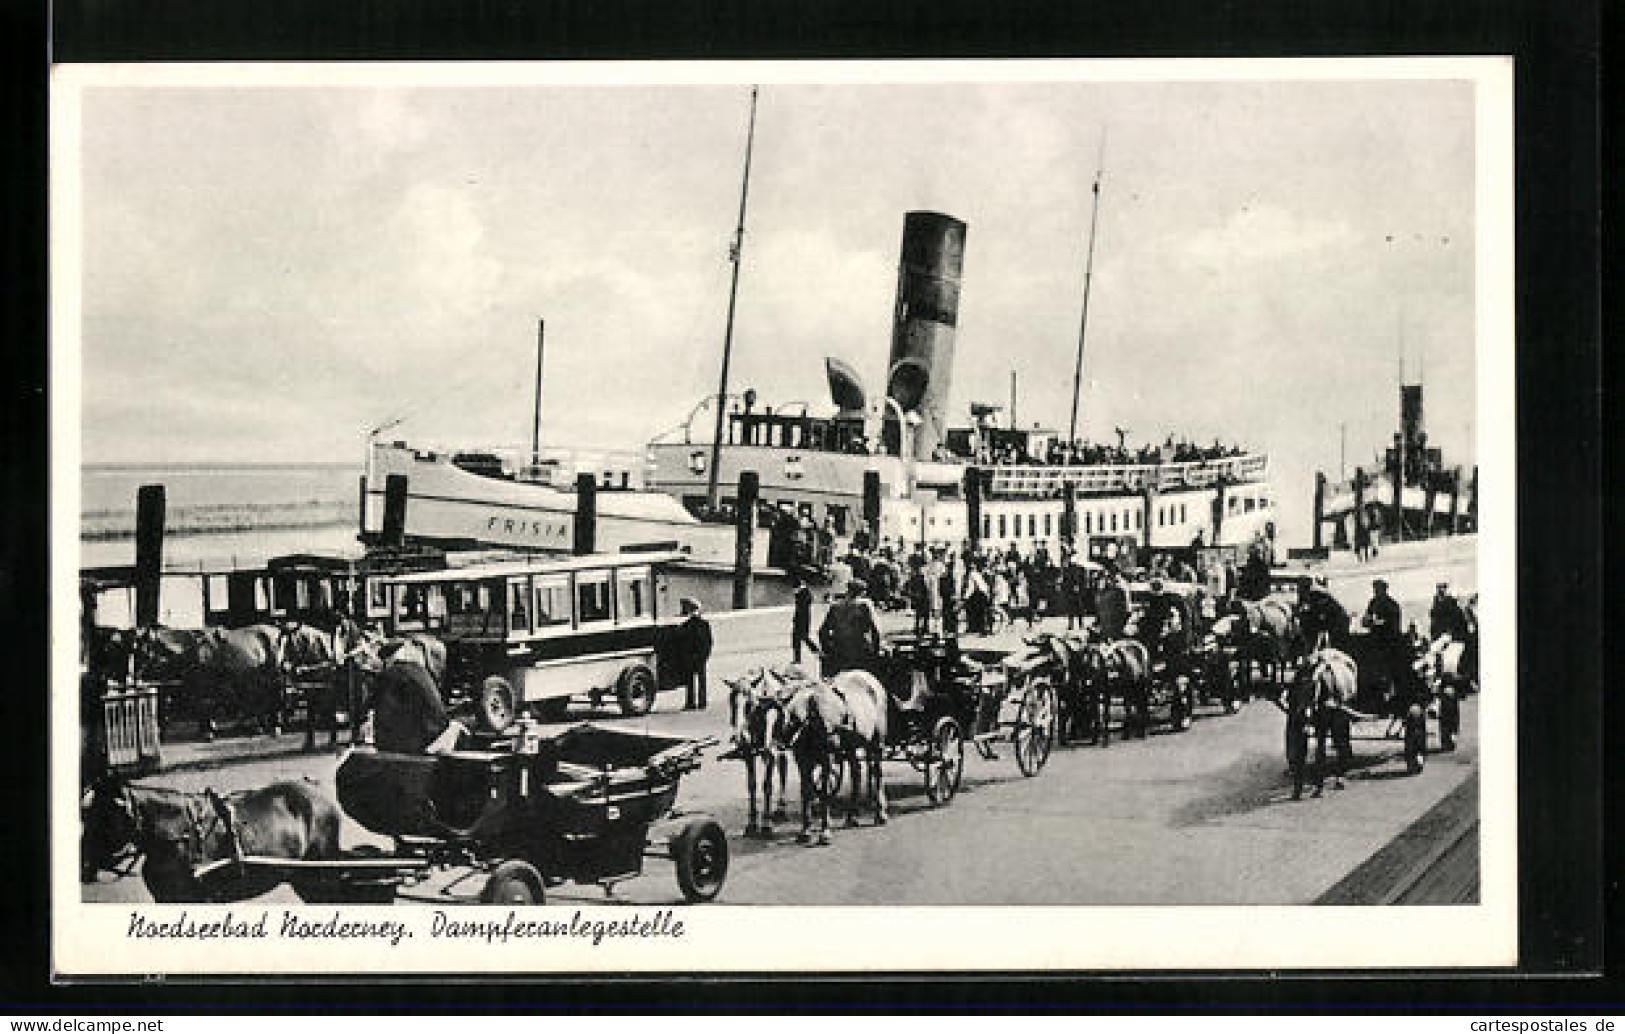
(891, 467)
(1415, 494)
(895, 469)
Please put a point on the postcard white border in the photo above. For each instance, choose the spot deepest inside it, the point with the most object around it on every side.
(90, 939)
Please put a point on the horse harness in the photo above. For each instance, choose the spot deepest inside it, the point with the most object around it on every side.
(200, 828)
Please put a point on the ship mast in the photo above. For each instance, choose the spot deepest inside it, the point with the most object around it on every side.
(734, 254)
(536, 413)
(1088, 273)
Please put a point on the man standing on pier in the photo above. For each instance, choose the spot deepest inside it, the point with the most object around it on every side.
(801, 622)
(1112, 606)
(1384, 620)
(696, 643)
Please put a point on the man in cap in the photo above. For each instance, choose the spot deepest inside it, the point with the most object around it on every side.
(1111, 606)
(695, 650)
(801, 621)
(1319, 613)
(1385, 623)
(849, 636)
(1446, 618)
(1161, 629)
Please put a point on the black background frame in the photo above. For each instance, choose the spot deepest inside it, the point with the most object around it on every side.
(1560, 373)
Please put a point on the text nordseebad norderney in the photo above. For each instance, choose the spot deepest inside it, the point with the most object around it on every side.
(336, 926)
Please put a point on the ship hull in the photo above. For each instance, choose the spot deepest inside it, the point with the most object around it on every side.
(447, 505)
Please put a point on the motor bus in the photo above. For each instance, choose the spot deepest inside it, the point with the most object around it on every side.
(529, 636)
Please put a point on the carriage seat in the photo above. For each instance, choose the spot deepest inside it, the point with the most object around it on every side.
(458, 795)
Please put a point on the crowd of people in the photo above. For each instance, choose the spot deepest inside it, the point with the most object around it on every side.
(949, 591)
(1082, 452)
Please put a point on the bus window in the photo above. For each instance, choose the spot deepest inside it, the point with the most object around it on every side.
(552, 602)
(633, 588)
(593, 601)
(518, 613)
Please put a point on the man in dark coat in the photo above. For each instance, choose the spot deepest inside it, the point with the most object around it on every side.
(1385, 623)
(1073, 586)
(694, 647)
(1446, 616)
(1111, 607)
(849, 636)
(1163, 628)
(801, 622)
(1320, 612)
(408, 714)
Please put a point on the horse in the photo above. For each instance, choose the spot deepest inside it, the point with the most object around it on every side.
(327, 665)
(1322, 692)
(1264, 632)
(172, 833)
(756, 710)
(830, 720)
(233, 672)
(1122, 668)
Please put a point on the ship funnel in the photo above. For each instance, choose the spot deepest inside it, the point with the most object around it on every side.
(920, 370)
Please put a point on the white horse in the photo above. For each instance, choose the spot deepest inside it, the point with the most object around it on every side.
(830, 721)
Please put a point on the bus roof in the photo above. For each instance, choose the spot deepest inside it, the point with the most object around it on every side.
(520, 568)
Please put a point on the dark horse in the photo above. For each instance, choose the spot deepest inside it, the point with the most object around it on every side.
(328, 668)
(1120, 668)
(173, 833)
(230, 673)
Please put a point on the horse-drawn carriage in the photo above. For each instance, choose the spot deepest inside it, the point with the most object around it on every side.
(951, 696)
(507, 820)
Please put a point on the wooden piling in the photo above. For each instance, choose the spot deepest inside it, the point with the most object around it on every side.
(394, 527)
(586, 522)
(871, 505)
(973, 508)
(1069, 516)
(149, 552)
(744, 537)
(1320, 506)
(1455, 500)
(1148, 505)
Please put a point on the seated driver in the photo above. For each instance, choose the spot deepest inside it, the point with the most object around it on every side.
(408, 715)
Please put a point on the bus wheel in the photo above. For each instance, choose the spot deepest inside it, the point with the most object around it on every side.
(636, 690)
(494, 710)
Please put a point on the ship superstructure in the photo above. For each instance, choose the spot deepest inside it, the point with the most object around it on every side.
(895, 469)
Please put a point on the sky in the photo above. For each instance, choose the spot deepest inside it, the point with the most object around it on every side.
(269, 272)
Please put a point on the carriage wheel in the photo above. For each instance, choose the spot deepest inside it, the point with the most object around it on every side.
(1035, 731)
(700, 850)
(514, 882)
(636, 690)
(946, 763)
(494, 710)
(837, 774)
